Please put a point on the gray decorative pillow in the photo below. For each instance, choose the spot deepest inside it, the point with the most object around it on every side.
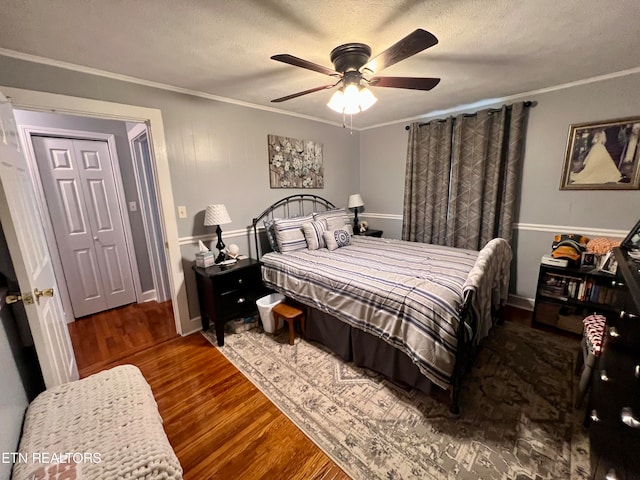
(269, 228)
(336, 219)
(313, 233)
(337, 238)
(289, 233)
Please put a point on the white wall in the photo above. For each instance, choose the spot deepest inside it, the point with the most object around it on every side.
(543, 208)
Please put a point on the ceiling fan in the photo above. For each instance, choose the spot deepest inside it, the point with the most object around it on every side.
(355, 71)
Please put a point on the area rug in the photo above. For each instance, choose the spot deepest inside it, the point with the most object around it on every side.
(517, 419)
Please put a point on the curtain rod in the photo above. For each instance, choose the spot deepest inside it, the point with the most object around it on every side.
(528, 103)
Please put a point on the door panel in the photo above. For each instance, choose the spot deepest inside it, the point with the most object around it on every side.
(106, 222)
(72, 207)
(70, 218)
(80, 190)
(22, 226)
(88, 270)
(99, 202)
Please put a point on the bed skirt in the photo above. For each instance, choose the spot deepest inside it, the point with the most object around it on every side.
(365, 350)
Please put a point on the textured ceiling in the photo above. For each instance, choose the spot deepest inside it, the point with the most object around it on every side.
(487, 49)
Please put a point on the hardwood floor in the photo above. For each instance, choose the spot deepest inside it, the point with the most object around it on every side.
(219, 424)
(111, 335)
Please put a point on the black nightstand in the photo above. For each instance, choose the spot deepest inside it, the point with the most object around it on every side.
(227, 292)
(370, 233)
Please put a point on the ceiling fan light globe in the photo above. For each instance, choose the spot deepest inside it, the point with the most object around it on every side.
(351, 99)
(351, 109)
(367, 99)
(336, 103)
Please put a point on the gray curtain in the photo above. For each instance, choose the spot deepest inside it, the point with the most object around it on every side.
(477, 193)
(426, 187)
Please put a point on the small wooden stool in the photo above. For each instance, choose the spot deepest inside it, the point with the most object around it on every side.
(289, 314)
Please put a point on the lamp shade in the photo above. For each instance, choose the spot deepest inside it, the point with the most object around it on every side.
(216, 215)
(355, 200)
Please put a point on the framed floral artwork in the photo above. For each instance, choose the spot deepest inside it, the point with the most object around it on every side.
(603, 156)
(295, 163)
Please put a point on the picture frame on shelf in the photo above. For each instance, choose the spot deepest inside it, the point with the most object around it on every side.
(603, 155)
(608, 264)
(632, 240)
(588, 260)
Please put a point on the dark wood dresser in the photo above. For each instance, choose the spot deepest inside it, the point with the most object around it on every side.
(614, 403)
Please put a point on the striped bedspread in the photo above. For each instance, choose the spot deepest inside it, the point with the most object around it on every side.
(406, 293)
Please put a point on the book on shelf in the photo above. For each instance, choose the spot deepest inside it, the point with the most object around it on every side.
(565, 287)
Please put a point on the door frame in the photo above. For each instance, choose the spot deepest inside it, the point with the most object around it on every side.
(25, 132)
(146, 182)
(44, 101)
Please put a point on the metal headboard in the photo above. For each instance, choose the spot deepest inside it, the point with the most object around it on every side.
(291, 206)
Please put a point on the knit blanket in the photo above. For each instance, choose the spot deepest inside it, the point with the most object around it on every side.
(106, 426)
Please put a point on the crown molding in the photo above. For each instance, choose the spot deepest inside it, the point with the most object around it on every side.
(433, 114)
(148, 83)
(492, 101)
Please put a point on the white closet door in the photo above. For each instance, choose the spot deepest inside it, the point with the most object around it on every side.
(79, 186)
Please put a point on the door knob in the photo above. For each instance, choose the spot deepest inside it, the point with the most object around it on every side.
(47, 292)
(27, 298)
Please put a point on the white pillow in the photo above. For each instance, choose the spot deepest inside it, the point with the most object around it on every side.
(289, 234)
(337, 238)
(313, 233)
(336, 219)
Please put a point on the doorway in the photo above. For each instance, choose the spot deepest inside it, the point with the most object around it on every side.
(89, 108)
(95, 212)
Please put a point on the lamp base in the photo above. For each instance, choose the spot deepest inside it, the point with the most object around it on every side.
(220, 246)
(356, 228)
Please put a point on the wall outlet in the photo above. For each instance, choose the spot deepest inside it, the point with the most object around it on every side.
(182, 212)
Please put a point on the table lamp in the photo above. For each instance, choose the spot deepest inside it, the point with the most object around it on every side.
(217, 215)
(355, 202)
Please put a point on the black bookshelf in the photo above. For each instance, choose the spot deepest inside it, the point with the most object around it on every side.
(565, 295)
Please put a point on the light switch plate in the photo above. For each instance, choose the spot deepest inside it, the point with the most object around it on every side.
(133, 207)
(182, 211)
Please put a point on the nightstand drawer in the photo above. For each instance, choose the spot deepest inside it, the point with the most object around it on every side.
(238, 302)
(235, 280)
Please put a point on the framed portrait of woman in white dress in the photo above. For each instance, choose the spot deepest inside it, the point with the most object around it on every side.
(603, 156)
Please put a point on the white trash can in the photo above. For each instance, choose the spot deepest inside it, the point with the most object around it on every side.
(265, 305)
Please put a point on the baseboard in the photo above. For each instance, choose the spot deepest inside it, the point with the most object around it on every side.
(149, 296)
(521, 302)
(195, 325)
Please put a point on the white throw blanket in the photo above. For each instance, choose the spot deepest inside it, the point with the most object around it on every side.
(106, 426)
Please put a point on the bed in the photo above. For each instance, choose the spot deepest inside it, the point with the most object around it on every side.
(411, 311)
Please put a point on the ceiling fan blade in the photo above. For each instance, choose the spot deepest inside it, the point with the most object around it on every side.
(413, 43)
(299, 62)
(412, 83)
(299, 94)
